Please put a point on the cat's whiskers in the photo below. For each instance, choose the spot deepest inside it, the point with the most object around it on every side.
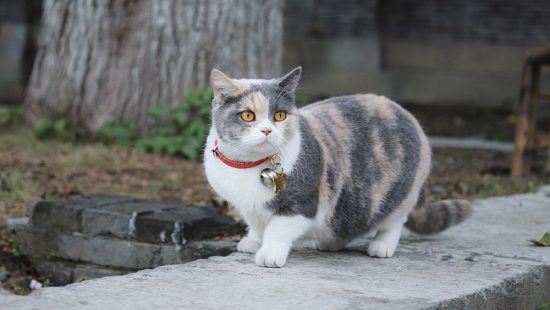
(233, 148)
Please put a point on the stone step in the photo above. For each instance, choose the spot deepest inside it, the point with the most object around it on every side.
(90, 236)
(485, 263)
(127, 217)
(39, 244)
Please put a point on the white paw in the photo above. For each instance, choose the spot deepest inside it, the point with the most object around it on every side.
(381, 249)
(272, 256)
(248, 245)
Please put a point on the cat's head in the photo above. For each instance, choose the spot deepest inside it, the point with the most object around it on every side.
(257, 117)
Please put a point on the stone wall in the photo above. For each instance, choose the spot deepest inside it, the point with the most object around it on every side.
(97, 235)
(525, 22)
(427, 52)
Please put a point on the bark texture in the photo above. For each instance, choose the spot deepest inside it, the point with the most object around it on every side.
(110, 60)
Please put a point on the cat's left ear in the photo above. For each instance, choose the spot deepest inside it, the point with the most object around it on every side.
(222, 85)
(289, 82)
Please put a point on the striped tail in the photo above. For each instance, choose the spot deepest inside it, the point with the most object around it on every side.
(432, 218)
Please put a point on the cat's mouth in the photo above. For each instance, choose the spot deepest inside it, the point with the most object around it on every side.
(264, 143)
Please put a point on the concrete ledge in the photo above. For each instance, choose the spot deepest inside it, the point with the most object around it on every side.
(486, 263)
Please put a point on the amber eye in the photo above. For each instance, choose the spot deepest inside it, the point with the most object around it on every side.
(280, 116)
(248, 116)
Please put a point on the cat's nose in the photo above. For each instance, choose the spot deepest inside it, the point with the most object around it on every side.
(266, 131)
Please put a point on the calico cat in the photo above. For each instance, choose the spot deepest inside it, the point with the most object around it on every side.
(353, 165)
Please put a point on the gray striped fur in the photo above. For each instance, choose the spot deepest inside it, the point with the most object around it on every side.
(431, 218)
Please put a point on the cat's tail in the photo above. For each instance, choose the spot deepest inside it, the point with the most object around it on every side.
(431, 218)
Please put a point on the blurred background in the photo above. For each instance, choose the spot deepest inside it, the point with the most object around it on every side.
(112, 96)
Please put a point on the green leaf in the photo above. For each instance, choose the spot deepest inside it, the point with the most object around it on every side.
(4, 275)
(167, 131)
(141, 147)
(205, 110)
(544, 241)
(52, 196)
(123, 135)
(59, 125)
(544, 306)
(172, 149)
(41, 128)
(190, 151)
(180, 117)
(159, 111)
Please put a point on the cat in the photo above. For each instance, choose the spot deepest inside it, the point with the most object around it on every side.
(354, 164)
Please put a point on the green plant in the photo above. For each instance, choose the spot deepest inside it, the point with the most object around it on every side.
(55, 127)
(118, 133)
(185, 129)
(11, 115)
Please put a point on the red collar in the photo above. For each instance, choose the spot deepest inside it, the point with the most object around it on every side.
(236, 164)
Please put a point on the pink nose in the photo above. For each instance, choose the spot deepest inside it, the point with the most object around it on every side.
(266, 131)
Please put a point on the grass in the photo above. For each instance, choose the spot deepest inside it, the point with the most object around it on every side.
(500, 186)
(16, 192)
(33, 169)
(476, 174)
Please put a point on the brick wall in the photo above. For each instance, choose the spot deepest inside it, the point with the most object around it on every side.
(328, 18)
(446, 52)
(488, 21)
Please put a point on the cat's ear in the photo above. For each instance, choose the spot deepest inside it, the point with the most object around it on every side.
(222, 85)
(289, 82)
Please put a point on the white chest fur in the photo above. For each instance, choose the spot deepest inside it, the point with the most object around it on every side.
(242, 188)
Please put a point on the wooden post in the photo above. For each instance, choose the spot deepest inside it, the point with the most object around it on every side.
(521, 125)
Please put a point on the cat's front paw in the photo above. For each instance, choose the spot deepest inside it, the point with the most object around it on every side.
(382, 249)
(272, 256)
(248, 245)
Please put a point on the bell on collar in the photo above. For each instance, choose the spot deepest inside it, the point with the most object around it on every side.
(274, 177)
(268, 177)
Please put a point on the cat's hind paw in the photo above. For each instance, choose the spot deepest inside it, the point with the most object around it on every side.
(273, 256)
(248, 245)
(382, 249)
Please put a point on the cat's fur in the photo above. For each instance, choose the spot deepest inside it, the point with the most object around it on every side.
(355, 164)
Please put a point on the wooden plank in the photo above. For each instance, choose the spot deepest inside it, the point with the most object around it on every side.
(533, 106)
(520, 141)
(543, 139)
(539, 56)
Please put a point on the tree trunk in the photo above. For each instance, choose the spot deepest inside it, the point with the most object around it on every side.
(109, 60)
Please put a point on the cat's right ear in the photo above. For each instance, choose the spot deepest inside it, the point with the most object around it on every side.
(222, 86)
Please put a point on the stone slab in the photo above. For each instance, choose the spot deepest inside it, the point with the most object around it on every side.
(485, 263)
(40, 244)
(130, 218)
(472, 143)
(66, 214)
(182, 224)
(63, 272)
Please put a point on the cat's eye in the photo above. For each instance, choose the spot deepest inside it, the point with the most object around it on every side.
(248, 116)
(280, 116)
